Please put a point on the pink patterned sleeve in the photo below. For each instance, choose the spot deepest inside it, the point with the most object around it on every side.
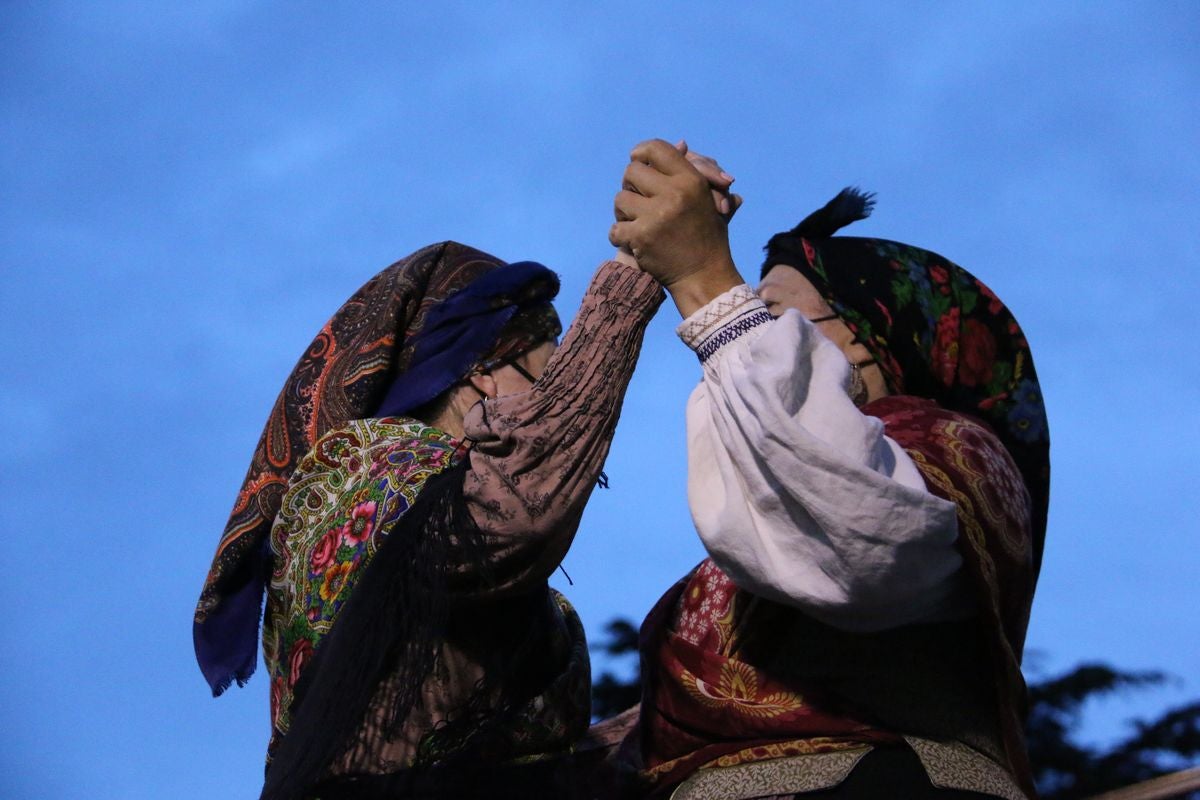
(538, 454)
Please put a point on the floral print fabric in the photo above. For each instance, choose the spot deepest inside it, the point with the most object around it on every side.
(938, 332)
(341, 500)
(341, 376)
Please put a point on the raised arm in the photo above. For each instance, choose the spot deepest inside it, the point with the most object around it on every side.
(666, 218)
(538, 454)
(797, 495)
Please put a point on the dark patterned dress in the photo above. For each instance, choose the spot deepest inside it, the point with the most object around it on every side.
(530, 466)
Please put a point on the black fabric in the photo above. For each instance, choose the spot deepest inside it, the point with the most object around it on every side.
(562, 778)
(392, 624)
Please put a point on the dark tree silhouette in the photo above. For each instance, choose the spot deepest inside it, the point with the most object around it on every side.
(610, 694)
(1064, 768)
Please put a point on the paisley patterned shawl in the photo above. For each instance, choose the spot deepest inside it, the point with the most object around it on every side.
(704, 703)
(346, 496)
(341, 376)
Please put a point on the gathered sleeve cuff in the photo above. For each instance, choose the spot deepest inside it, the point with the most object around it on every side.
(538, 454)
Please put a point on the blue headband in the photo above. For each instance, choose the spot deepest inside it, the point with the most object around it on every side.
(462, 329)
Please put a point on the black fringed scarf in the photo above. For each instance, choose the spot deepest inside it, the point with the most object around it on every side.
(388, 634)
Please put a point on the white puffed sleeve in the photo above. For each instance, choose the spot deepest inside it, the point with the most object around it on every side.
(797, 495)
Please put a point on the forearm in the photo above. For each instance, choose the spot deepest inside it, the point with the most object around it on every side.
(695, 290)
(538, 454)
(698, 289)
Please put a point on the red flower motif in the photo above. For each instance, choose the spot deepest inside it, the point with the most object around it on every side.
(326, 550)
(945, 347)
(361, 522)
(891, 370)
(276, 697)
(987, 403)
(978, 354)
(886, 314)
(809, 253)
(302, 651)
(994, 304)
(939, 274)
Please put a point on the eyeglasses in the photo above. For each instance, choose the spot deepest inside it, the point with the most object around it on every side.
(524, 373)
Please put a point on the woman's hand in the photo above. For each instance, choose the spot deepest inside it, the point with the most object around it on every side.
(667, 218)
(725, 202)
(721, 181)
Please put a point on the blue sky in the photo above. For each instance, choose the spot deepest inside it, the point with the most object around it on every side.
(187, 191)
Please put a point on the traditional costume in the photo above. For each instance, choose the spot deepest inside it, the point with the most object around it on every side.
(413, 644)
(861, 618)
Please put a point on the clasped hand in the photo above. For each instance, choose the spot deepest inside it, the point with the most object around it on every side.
(672, 213)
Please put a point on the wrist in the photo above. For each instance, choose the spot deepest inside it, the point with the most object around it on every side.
(625, 257)
(697, 289)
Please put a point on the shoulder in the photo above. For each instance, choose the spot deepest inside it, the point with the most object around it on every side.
(963, 461)
(376, 465)
(916, 423)
(379, 441)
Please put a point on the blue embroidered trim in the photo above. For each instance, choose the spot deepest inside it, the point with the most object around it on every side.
(731, 331)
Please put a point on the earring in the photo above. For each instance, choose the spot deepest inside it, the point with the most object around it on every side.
(858, 387)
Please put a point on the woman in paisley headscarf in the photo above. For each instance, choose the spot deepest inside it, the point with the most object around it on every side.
(868, 470)
(417, 483)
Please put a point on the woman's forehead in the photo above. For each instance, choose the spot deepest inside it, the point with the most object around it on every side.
(784, 285)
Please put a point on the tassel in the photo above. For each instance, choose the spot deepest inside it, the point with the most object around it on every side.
(850, 205)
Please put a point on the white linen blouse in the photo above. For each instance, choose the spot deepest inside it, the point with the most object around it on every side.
(799, 497)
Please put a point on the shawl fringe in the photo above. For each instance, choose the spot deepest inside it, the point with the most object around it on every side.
(391, 627)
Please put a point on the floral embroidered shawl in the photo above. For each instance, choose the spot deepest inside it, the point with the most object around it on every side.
(939, 332)
(344, 499)
(344, 495)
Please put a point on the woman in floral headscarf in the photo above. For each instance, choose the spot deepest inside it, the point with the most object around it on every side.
(404, 531)
(868, 470)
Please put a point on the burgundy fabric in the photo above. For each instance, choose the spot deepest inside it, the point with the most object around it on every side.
(964, 462)
(726, 692)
